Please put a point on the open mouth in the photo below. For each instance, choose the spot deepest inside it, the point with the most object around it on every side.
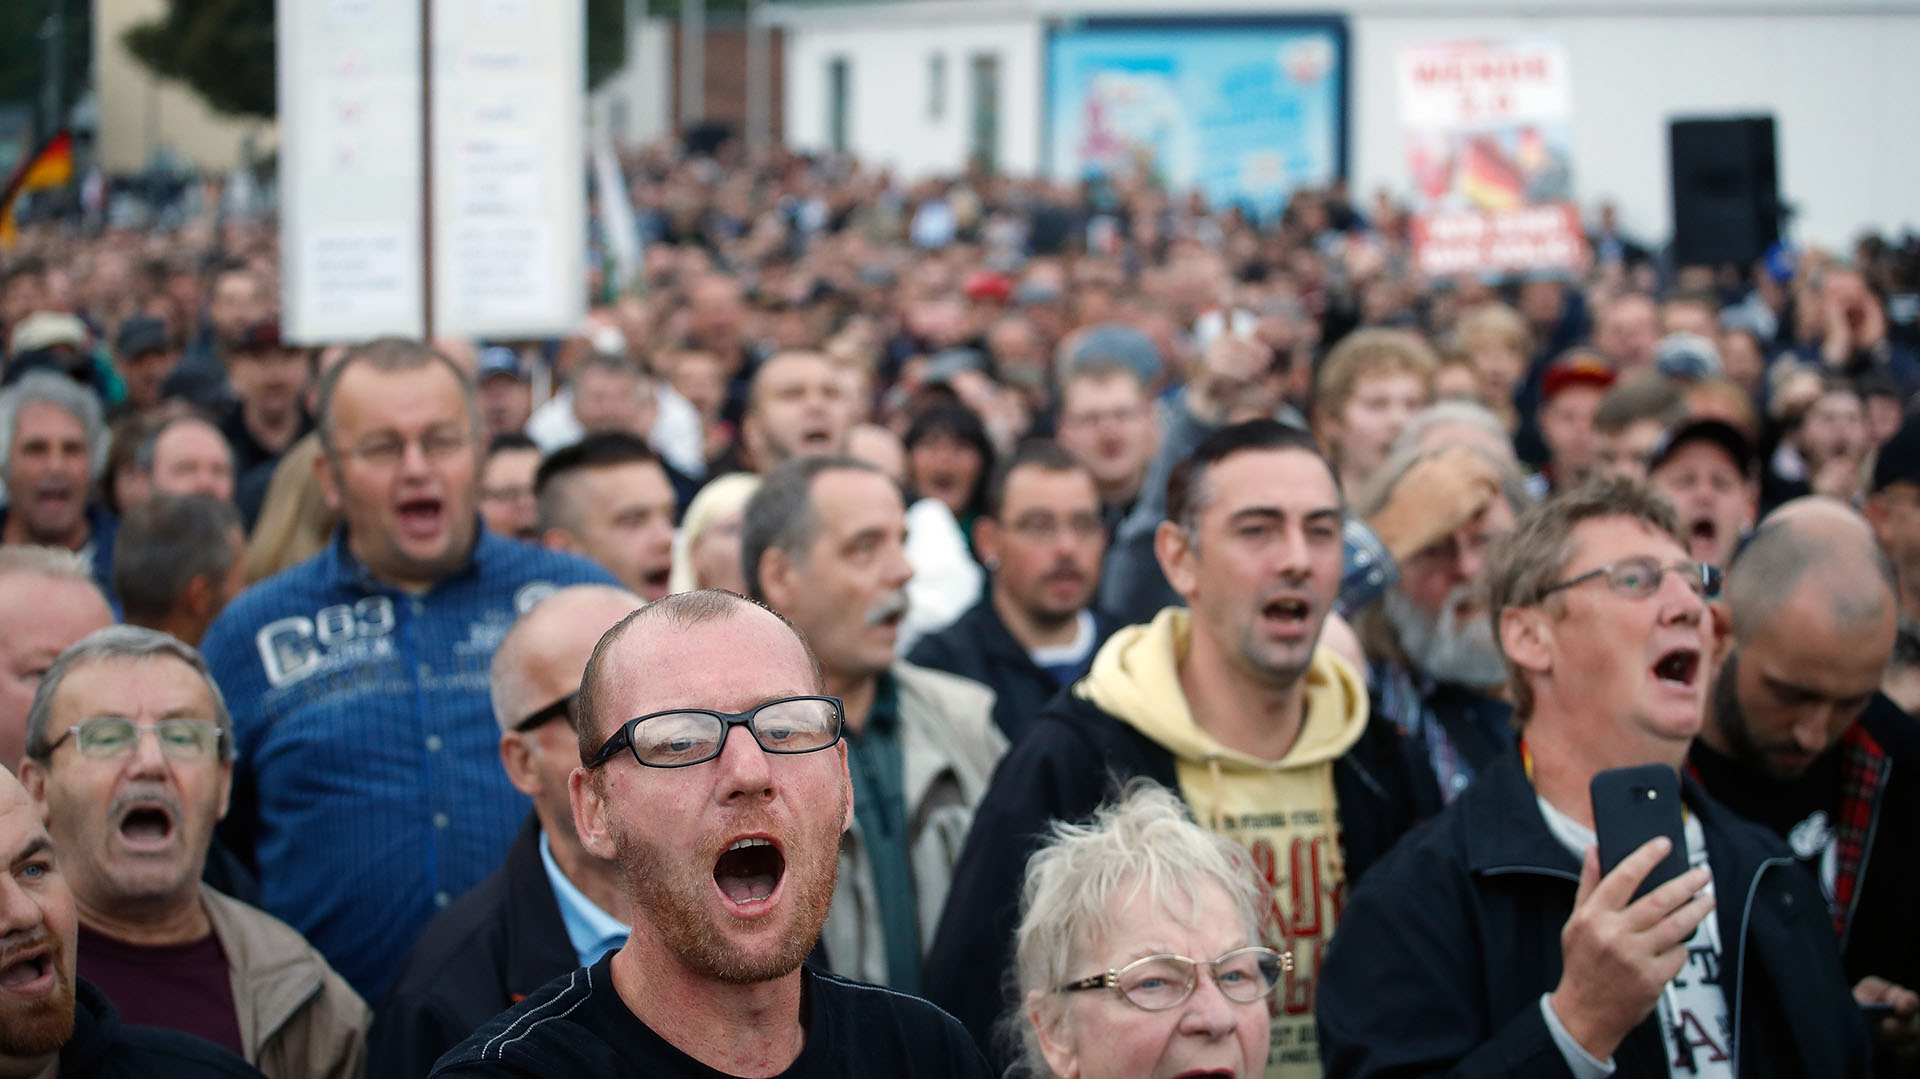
(1678, 668)
(1703, 534)
(146, 827)
(1214, 1073)
(30, 974)
(653, 581)
(421, 518)
(748, 872)
(1287, 611)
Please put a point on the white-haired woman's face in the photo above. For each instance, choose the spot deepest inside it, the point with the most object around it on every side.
(1100, 1033)
(716, 554)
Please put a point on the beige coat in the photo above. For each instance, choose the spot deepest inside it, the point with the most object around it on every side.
(298, 1018)
(948, 748)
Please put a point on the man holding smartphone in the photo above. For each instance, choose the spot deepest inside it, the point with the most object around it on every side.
(1493, 943)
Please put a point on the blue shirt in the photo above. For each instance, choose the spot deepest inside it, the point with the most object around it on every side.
(367, 778)
(592, 931)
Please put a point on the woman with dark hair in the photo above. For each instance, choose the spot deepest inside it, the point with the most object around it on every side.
(949, 457)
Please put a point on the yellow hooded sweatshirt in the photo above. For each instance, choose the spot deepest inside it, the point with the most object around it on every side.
(1284, 812)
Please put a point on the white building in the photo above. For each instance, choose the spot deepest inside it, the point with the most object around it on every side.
(898, 84)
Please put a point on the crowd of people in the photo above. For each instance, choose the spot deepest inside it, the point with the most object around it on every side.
(1169, 640)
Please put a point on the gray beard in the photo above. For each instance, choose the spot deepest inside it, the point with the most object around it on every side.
(1441, 648)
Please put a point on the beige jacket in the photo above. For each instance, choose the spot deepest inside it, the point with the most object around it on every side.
(948, 748)
(298, 1018)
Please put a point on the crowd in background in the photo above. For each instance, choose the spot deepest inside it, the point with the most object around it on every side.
(964, 433)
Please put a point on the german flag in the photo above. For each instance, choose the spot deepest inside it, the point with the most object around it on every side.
(51, 167)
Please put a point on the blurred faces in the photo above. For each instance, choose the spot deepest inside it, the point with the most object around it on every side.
(1046, 545)
(268, 381)
(1566, 424)
(39, 935)
(1107, 422)
(944, 466)
(1715, 502)
(1894, 512)
(132, 830)
(505, 404)
(1835, 427)
(621, 516)
(191, 458)
(39, 617)
(798, 409)
(143, 374)
(716, 554)
(47, 470)
(238, 301)
(610, 399)
(1799, 682)
(1362, 435)
(401, 469)
(506, 493)
(847, 591)
(1100, 1033)
(1263, 564)
(1627, 451)
(1628, 333)
(1436, 612)
(880, 448)
(735, 916)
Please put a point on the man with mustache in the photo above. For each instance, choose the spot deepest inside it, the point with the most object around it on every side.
(823, 543)
(53, 1023)
(1798, 738)
(1436, 672)
(129, 762)
(1232, 700)
(714, 775)
(1034, 632)
(50, 429)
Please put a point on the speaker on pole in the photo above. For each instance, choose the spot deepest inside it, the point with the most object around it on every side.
(1726, 192)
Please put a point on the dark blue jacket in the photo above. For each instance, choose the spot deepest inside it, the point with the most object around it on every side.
(978, 645)
(1441, 957)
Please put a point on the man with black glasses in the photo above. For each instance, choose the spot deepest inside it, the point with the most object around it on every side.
(727, 842)
(551, 906)
(1490, 943)
(129, 762)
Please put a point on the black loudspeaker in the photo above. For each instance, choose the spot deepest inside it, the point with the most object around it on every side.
(1726, 192)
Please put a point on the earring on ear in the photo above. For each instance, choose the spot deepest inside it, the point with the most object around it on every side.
(992, 564)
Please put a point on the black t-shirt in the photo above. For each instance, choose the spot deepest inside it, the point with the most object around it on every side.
(1803, 811)
(577, 1025)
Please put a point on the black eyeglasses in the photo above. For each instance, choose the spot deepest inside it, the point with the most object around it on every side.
(1159, 982)
(688, 736)
(1638, 578)
(560, 709)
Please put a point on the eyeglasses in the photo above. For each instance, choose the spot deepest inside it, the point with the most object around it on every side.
(506, 494)
(560, 709)
(1045, 526)
(688, 736)
(1638, 578)
(105, 738)
(1159, 982)
(385, 451)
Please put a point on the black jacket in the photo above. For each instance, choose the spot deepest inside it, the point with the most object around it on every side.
(979, 646)
(1076, 757)
(479, 957)
(102, 1048)
(1441, 958)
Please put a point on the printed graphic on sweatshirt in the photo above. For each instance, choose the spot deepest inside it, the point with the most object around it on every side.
(1294, 853)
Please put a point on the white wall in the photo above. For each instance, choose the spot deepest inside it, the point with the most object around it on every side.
(889, 50)
(634, 104)
(1839, 76)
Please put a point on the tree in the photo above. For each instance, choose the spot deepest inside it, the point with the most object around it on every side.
(223, 49)
(23, 54)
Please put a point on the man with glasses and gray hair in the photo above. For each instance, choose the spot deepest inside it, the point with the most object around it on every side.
(715, 777)
(551, 906)
(1491, 942)
(129, 761)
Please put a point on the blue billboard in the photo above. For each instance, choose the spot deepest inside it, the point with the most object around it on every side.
(1245, 110)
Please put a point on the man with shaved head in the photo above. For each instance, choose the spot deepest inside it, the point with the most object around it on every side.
(1799, 738)
(551, 906)
(796, 407)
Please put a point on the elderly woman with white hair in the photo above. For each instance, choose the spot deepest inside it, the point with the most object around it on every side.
(1139, 949)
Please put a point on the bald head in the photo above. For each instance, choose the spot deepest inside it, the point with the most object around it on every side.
(1810, 543)
(541, 658)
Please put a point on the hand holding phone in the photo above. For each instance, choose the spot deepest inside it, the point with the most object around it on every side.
(1632, 806)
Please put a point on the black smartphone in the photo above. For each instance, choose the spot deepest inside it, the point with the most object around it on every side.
(1876, 1011)
(1630, 807)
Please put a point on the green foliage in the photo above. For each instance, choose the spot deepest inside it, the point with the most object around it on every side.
(23, 53)
(223, 49)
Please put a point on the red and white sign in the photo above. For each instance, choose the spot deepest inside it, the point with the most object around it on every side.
(1490, 148)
